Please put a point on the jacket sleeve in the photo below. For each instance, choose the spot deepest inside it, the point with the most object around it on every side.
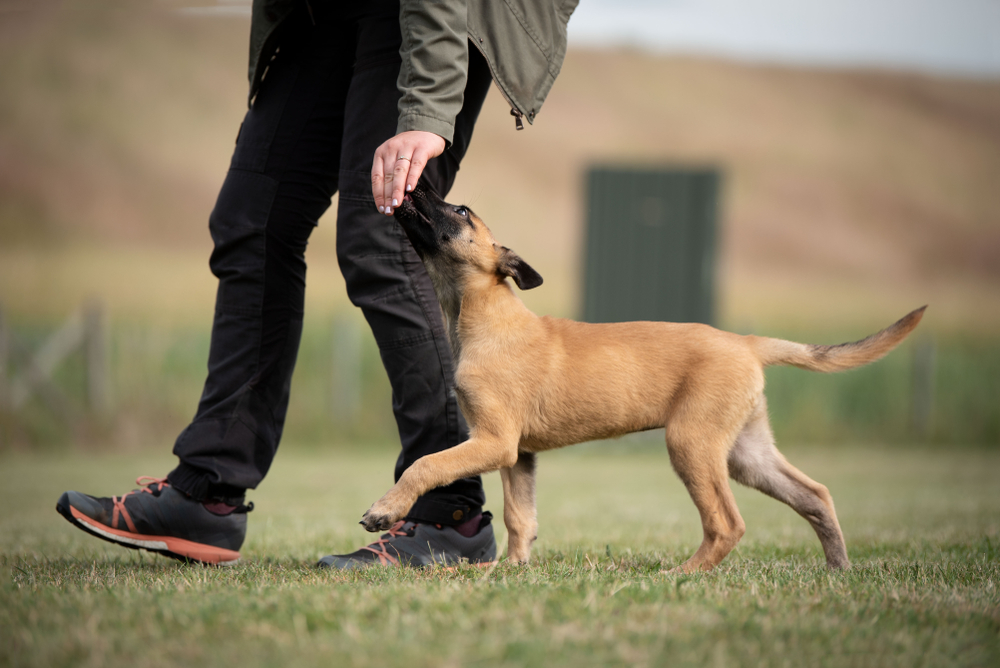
(435, 65)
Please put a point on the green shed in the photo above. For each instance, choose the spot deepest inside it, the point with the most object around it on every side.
(650, 248)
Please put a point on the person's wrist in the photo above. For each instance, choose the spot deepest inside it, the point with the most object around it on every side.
(413, 123)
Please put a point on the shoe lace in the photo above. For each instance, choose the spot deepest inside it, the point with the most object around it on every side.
(145, 483)
(380, 546)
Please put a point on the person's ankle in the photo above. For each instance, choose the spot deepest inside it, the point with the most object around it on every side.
(217, 507)
(470, 527)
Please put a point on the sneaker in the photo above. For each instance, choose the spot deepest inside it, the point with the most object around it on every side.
(160, 519)
(419, 545)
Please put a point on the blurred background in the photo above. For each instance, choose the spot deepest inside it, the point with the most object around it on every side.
(858, 145)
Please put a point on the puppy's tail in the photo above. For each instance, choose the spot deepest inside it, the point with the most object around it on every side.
(836, 358)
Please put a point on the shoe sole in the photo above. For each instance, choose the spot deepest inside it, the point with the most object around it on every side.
(176, 548)
(450, 569)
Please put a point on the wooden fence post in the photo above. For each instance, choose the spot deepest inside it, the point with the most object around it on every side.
(83, 331)
(95, 350)
(35, 373)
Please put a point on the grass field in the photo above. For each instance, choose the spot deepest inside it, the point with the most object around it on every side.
(922, 528)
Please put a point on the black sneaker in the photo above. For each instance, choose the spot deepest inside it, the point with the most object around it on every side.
(419, 545)
(160, 519)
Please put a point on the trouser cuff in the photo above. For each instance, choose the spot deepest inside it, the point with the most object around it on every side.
(447, 512)
(197, 484)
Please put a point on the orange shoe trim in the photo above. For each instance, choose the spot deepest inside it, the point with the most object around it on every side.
(183, 548)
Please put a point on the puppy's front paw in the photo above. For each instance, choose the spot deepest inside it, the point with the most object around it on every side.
(375, 522)
(388, 510)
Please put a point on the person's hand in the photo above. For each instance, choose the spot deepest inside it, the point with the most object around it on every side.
(398, 164)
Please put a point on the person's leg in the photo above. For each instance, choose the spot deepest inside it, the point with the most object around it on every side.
(282, 177)
(387, 280)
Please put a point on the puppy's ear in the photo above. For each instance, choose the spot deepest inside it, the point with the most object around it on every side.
(511, 265)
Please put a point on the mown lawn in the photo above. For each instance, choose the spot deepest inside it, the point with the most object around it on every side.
(922, 527)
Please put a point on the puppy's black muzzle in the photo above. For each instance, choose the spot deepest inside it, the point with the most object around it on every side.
(424, 217)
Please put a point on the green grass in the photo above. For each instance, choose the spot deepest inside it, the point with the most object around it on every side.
(922, 527)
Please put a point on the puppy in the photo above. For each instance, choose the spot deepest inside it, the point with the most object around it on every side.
(527, 384)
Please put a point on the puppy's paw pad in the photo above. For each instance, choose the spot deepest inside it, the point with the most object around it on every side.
(372, 522)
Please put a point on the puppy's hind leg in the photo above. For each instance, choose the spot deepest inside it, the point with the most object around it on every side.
(519, 514)
(699, 459)
(755, 462)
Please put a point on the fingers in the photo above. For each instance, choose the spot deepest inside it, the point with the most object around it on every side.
(393, 187)
(418, 161)
(377, 180)
(398, 164)
(388, 169)
(406, 174)
(385, 169)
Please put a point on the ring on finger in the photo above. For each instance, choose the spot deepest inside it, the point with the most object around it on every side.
(402, 157)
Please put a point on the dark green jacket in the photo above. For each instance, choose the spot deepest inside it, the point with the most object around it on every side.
(524, 42)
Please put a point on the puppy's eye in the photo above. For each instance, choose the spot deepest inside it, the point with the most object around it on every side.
(462, 211)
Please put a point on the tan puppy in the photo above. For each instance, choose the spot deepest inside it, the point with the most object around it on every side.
(527, 384)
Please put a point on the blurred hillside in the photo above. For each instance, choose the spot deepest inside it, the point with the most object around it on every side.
(848, 194)
(850, 197)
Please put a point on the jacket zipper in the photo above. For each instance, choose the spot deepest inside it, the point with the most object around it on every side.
(517, 117)
(514, 111)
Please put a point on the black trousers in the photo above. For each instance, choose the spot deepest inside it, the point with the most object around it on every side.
(327, 102)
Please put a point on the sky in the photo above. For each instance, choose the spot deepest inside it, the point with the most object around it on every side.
(939, 36)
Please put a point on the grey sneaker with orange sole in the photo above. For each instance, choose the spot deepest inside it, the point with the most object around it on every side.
(421, 545)
(160, 519)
